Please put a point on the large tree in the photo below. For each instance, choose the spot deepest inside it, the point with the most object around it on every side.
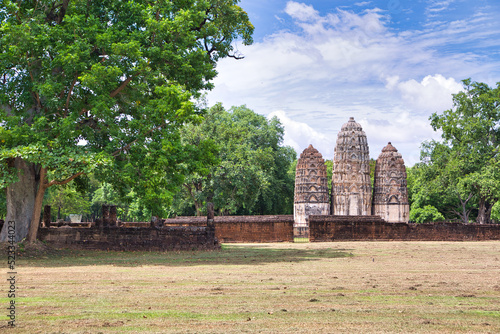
(103, 86)
(244, 169)
(462, 172)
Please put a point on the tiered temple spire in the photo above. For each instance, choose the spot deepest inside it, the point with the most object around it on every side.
(351, 185)
(311, 190)
(390, 196)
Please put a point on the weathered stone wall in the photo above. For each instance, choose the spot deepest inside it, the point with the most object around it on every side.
(337, 228)
(187, 233)
(257, 231)
(277, 228)
(332, 228)
(131, 238)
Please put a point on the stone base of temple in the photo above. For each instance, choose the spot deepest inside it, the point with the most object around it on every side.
(392, 212)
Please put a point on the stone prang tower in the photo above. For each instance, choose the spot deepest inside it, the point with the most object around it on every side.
(311, 191)
(390, 196)
(351, 186)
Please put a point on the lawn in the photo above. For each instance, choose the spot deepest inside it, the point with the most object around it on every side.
(341, 287)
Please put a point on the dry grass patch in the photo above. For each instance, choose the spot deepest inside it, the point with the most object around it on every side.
(364, 287)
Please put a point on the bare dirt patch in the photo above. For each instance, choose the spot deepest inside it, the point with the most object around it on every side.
(364, 287)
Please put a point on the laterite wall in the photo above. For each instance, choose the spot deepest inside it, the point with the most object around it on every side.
(331, 228)
(131, 238)
(189, 233)
(276, 228)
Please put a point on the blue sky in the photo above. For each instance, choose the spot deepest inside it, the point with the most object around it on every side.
(389, 64)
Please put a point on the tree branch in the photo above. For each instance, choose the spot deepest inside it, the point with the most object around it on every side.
(121, 87)
(62, 11)
(189, 189)
(70, 92)
(55, 182)
(35, 94)
(236, 57)
(118, 151)
(205, 20)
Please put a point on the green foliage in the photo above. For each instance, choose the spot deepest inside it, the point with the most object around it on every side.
(65, 200)
(373, 164)
(104, 86)
(461, 174)
(426, 214)
(239, 165)
(105, 195)
(329, 174)
(426, 188)
(495, 213)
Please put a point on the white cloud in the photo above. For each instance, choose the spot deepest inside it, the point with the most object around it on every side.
(299, 135)
(432, 94)
(301, 11)
(438, 6)
(405, 131)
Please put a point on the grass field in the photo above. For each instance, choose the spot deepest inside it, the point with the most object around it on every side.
(345, 287)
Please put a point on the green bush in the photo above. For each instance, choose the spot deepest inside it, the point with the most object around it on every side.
(425, 215)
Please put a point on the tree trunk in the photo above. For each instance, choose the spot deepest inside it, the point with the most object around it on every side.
(464, 213)
(21, 200)
(484, 214)
(198, 186)
(35, 220)
(197, 206)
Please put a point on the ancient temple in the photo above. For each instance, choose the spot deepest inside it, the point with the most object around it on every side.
(351, 186)
(390, 196)
(311, 191)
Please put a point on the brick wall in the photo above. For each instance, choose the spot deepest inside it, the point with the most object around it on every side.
(187, 233)
(132, 238)
(331, 228)
(264, 231)
(270, 228)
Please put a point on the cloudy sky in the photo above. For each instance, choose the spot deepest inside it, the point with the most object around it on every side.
(389, 64)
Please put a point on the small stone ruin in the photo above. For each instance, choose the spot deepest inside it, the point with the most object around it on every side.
(351, 185)
(311, 191)
(390, 195)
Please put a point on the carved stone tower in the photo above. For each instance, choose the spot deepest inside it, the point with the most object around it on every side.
(390, 195)
(351, 186)
(311, 191)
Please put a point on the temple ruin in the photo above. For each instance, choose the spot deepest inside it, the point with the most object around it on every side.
(390, 195)
(351, 185)
(311, 191)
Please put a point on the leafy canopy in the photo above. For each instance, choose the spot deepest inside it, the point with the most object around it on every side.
(461, 173)
(106, 84)
(245, 170)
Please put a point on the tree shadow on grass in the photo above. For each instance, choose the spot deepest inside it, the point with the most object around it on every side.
(228, 255)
